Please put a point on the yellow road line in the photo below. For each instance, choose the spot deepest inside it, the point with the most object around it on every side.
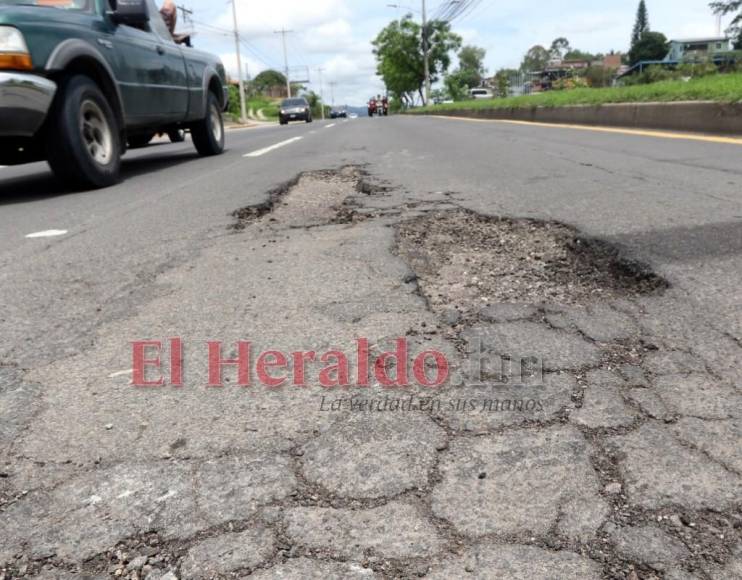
(639, 132)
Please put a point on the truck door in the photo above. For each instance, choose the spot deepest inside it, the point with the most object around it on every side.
(173, 87)
(150, 72)
(139, 72)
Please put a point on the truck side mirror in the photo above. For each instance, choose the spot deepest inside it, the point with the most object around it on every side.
(131, 12)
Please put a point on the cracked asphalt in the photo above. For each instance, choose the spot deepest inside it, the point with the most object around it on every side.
(612, 262)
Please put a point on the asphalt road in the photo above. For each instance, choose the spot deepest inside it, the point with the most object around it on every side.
(155, 257)
(674, 202)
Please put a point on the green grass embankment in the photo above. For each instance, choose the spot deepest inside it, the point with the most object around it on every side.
(722, 88)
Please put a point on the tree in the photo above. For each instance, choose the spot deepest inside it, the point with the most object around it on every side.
(576, 54)
(456, 86)
(599, 76)
(471, 64)
(535, 59)
(469, 75)
(315, 103)
(399, 55)
(651, 46)
(559, 48)
(502, 81)
(641, 25)
(234, 102)
(735, 28)
(439, 95)
(268, 79)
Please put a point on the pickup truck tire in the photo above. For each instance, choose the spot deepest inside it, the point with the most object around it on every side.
(208, 134)
(83, 146)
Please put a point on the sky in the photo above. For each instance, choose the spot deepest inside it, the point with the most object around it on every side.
(336, 35)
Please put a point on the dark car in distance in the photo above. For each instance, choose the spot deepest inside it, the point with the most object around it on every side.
(82, 80)
(296, 109)
(338, 114)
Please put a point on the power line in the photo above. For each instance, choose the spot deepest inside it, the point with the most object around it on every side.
(298, 51)
(468, 10)
(212, 28)
(452, 9)
(251, 48)
(259, 56)
(477, 10)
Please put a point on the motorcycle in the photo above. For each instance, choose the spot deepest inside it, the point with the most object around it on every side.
(372, 107)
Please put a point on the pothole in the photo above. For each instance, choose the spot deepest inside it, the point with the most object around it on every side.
(312, 199)
(465, 261)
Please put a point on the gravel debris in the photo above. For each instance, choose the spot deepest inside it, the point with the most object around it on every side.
(467, 261)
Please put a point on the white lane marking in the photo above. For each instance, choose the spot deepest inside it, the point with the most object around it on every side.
(330, 126)
(120, 374)
(260, 152)
(47, 234)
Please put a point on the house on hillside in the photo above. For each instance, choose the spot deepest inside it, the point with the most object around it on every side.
(564, 69)
(717, 50)
(697, 49)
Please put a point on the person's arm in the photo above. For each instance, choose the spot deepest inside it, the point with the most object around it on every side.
(169, 14)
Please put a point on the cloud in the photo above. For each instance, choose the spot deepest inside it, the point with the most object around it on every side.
(323, 36)
(330, 37)
(259, 19)
(249, 65)
(336, 34)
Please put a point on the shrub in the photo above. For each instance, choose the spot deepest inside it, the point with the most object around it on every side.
(599, 76)
(697, 70)
(653, 74)
(569, 83)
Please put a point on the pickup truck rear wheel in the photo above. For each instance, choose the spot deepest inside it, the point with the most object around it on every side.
(208, 134)
(83, 146)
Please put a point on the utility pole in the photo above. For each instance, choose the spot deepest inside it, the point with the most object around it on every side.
(283, 32)
(320, 70)
(426, 56)
(187, 13)
(243, 112)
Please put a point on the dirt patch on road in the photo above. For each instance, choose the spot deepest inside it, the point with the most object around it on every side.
(465, 261)
(312, 199)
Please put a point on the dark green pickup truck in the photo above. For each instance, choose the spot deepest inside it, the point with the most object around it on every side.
(80, 80)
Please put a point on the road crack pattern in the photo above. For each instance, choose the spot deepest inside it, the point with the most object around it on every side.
(628, 467)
